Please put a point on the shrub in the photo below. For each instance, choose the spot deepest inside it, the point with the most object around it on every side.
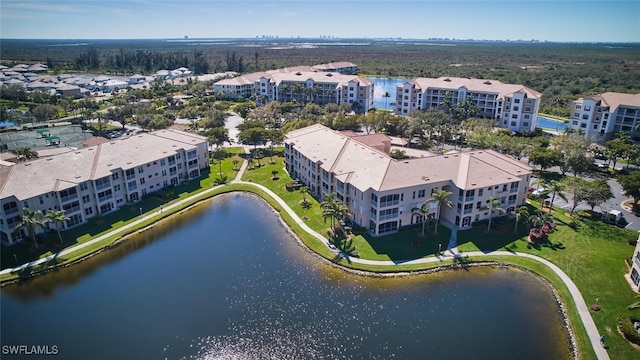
(630, 333)
(537, 235)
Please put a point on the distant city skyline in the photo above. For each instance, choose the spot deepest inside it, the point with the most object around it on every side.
(564, 21)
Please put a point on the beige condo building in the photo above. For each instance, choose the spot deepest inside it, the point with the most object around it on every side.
(321, 84)
(513, 107)
(99, 179)
(601, 117)
(382, 193)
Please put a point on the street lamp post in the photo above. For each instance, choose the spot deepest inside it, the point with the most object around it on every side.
(140, 211)
(439, 248)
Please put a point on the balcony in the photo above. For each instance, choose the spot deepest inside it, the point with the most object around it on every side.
(103, 186)
(131, 176)
(105, 198)
(389, 203)
(67, 198)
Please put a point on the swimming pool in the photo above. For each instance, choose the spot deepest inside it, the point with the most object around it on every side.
(552, 124)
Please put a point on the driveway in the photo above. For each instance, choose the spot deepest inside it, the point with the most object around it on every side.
(633, 220)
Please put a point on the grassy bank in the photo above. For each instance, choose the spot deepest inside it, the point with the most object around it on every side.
(590, 252)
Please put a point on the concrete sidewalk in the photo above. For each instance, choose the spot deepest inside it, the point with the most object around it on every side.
(451, 254)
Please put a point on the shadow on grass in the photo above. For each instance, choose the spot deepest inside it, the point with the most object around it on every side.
(408, 243)
(500, 237)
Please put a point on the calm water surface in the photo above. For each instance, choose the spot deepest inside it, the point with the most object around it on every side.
(382, 85)
(226, 281)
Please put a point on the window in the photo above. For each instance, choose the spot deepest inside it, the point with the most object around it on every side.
(480, 192)
(421, 193)
(69, 194)
(387, 227)
(115, 176)
(88, 211)
(513, 123)
(390, 200)
(86, 199)
(525, 124)
(142, 181)
(105, 195)
(83, 186)
(140, 169)
(516, 108)
(516, 101)
(116, 188)
(388, 214)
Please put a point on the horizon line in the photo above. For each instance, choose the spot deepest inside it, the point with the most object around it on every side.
(391, 38)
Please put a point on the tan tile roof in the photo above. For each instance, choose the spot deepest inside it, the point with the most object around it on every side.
(474, 85)
(614, 100)
(365, 167)
(39, 176)
(334, 65)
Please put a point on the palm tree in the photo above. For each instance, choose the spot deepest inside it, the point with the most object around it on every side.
(298, 89)
(257, 154)
(494, 204)
(283, 89)
(32, 220)
(304, 191)
(333, 208)
(25, 153)
(386, 97)
(424, 211)
(521, 213)
(57, 216)
(441, 197)
(556, 188)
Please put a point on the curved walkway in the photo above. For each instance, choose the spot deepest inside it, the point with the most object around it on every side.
(451, 253)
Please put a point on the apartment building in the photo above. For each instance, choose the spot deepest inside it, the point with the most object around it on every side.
(302, 84)
(382, 193)
(98, 179)
(601, 117)
(513, 107)
(342, 67)
(634, 274)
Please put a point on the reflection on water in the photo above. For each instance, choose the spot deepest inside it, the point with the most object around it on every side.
(227, 281)
(381, 86)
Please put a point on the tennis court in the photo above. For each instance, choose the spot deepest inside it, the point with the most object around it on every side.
(58, 136)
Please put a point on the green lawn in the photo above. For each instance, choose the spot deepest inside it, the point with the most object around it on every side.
(591, 252)
(25, 251)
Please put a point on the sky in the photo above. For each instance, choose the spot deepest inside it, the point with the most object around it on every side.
(564, 20)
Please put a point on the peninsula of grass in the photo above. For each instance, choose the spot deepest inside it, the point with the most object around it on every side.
(590, 252)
